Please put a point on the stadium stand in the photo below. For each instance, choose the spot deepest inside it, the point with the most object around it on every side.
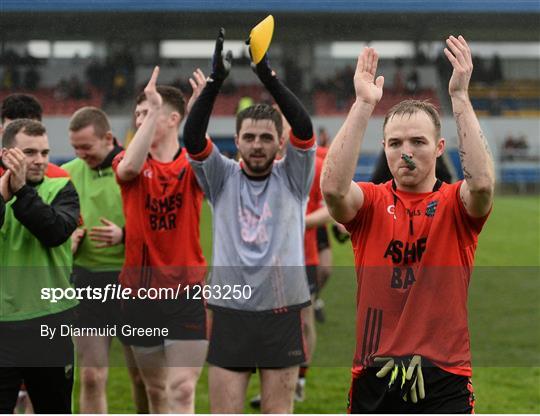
(60, 106)
(325, 103)
(513, 98)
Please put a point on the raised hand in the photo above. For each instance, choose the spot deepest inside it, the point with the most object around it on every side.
(152, 96)
(107, 235)
(15, 160)
(221, 66)
(198, 82)
(368, 89)
(459, 55)
(263, 69)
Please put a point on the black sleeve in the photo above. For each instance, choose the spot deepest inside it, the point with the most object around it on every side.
(199, 116)
(2, 211)
(51, 224)
(290, 105)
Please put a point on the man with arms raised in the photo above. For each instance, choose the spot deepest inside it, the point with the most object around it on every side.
(414, 239)
(259, 219)
(162, 205)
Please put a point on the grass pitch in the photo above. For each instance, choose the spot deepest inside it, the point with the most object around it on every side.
(504, 313)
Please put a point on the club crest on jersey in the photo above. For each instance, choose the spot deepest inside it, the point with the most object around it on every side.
(431, 208)
(148, 173)
(391, 209)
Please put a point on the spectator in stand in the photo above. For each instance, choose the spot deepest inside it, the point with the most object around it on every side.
(11, 78)
(61, 91)
(399, 82)
(496, 72)
(495, 104)
(76, 90)
(323, 139)
(32, 78)
(119, 88)
(244, 103)
(480, 73)
(413, 83)
(94, 74)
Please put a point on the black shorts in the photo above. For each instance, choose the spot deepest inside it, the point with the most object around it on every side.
(31, 342)
(168, 319)
(242, 341)
(311, 273)
(322, 238)
(49, 388)
(93, 313)
(42, 363)
(445, 393)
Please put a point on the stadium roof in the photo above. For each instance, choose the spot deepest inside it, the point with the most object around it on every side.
(298, 21)
(301, 6)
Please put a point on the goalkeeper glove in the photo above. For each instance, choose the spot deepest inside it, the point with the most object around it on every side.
(221, 66)
(262, 69)
(412, 379)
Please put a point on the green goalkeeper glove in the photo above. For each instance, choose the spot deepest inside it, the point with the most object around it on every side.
(412, 379)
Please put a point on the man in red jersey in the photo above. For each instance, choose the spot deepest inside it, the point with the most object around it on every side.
(162, 204)
(414, 239)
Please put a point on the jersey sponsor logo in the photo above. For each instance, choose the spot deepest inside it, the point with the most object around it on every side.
(403, 254)
(402, 278)
(162, 211)
(431, 208)
(406, 252)
(413, 212)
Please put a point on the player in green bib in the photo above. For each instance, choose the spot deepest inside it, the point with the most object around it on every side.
(35, 256)
(98, 253)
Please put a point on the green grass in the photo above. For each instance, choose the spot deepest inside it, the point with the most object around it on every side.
(504, 311)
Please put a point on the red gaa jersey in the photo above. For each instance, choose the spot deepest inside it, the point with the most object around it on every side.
(314, 203)
(162, 207)
(414, 254)
(54, 171)
(321, 151)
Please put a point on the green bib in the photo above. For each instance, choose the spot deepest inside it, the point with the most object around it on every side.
(99, 196)
(28, 268)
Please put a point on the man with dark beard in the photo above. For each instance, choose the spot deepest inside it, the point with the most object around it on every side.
(259, 210)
